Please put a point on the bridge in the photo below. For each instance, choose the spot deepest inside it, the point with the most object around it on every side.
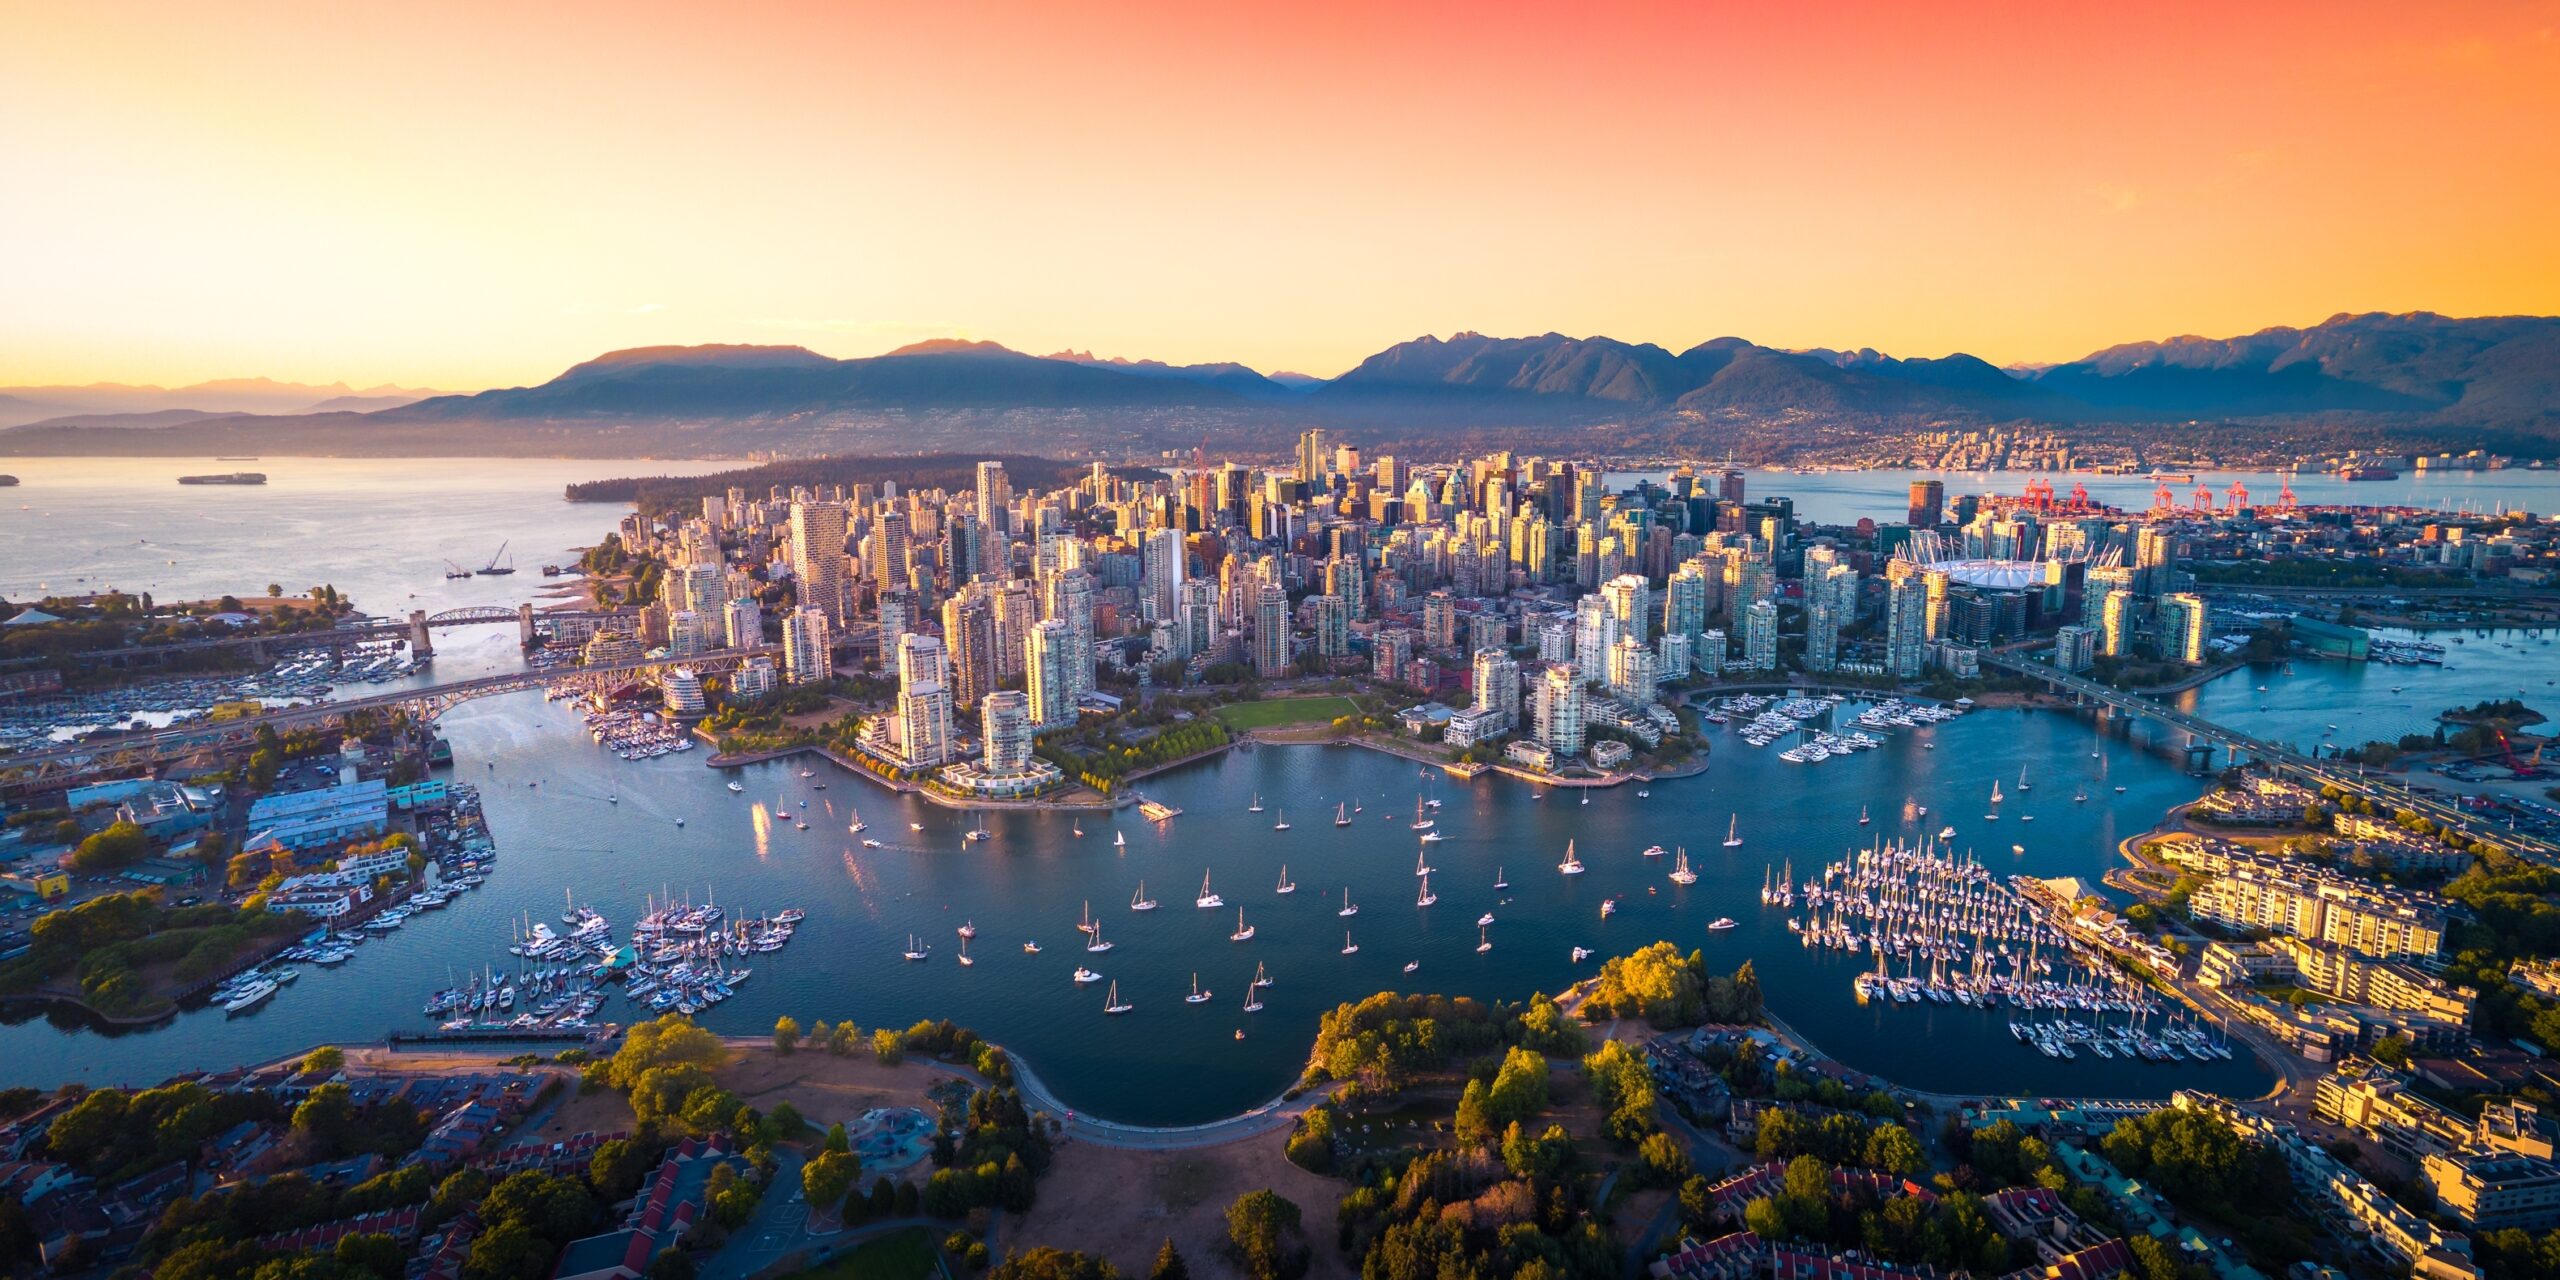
(418, 629)
(51, 766)
(2204, 735)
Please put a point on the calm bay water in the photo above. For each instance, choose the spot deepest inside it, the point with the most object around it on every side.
(1842, 497)
(380, 531)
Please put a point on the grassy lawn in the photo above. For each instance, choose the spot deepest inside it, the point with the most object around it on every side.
(901, 1255)
(1273, 712)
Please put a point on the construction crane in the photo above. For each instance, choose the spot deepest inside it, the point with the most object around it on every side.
(2284, 496)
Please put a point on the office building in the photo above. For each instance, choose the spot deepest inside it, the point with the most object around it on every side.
(1928, 503)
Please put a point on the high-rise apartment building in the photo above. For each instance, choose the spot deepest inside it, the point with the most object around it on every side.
(1558, 710)
(818, 559)
(1048, 673)
(806, 646)
(1271, 651)
(1497, 687)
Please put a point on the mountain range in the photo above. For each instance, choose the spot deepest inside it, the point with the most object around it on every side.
(96, 403)
(2418, 369)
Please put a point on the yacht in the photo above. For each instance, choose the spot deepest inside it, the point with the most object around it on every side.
(1581, 954)
(1431, 837)
(1947, 833)
(1348, 946)
(1654, 851)
(1427, 897)
(1608, 907)
(1244, 932)
(1421, 820)
(1097, 946)
(1499, 883)
(1485, 919)
(1286, 885)
(1085, 975)
(1139, 901)
(1197, 995)
(1031, 948)
(1348, 910)
(1721, 922)
(1341, 815)
(1112, 1003)
(736, 788)
(1733, 833)
(1420, 867)
(1483, 943)
(1411, 965)
(1680, 872)
(1207, 901)
(916, 950)
(968, 929)
(1571, 865)
(1119, 839)
(1257, 803)
(965, 960)
(1862, 815)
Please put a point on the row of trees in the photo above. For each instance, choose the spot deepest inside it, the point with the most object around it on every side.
(1663, 987)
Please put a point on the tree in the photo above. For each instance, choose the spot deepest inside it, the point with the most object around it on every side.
(827, 1176)
(888, 1047)
(371, 1254)
(1474, 1120)
(1258, 1225)
(786, 1034)
(1664, 1163)
(1891, 1147)
(327, 1060)
(674, 1264)
(2391, 1050)
(121, 845)
(1169, 1264)
(618, 1168)
(668, 1041)
(1045, 1262)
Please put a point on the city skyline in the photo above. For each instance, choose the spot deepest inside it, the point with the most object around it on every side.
(508, 194)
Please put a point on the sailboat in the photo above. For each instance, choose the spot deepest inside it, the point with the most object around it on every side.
(1862, 815)
(1427, 897)
(1421, 820)
(1119, 839)
(1097, 945)
(1139, 901)
(857, 826)
(1113, 1004)
(1994, 815)
(1348, 910)
(1420, 867)
(1086, 925)
(1197, 995)
(2022, 778)
(1499, 882)
(1571, 865)
(1283, 823)
(1261, 976)
(1207, 901)
(965, 960)
(1341, 815)
(915, 949)
(1253, 993)
(1078, 828)
(1257, 803)
(1244, 932)
(1483, 943)
(1680, 872)
(1733, 833)
(1348, 946)
(1286, 885)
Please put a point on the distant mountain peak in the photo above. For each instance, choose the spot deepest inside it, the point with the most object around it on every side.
(954, 346)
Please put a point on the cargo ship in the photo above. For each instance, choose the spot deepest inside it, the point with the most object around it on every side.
(228, 477)
(7, 481)
(2367, 473)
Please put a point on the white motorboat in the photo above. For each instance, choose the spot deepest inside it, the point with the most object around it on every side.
(1722, 922)
(1085, 976)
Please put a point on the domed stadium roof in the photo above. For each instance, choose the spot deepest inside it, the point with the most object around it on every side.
(1995, 575)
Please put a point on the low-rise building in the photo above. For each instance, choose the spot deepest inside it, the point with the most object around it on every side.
(2496, 1190)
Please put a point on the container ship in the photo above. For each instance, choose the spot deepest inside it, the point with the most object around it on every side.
(228, 477)
(2367, 473)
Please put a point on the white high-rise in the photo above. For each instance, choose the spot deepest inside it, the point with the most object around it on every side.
(924, 703)
(806, 639)
(1048, 673)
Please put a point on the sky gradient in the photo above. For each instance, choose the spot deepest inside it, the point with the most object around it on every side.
(467, 195)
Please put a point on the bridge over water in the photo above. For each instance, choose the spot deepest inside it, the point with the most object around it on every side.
(2205, 735)
(418, 629)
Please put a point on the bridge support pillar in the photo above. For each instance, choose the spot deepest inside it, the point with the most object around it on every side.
(2199, 757)
(524, 624)
(421, 641)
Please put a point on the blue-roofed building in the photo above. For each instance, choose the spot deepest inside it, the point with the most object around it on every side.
(322, 817)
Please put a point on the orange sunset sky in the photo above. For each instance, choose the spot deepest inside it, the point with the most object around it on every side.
(462, 195)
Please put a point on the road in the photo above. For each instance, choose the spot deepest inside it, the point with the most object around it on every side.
(195, 733)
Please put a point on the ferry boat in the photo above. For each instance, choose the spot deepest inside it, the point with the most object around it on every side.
(1571, 865)
(1244, 932)
(1207, 901)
